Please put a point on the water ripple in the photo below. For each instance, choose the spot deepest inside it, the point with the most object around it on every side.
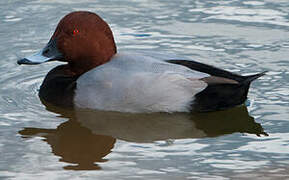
(242, 36)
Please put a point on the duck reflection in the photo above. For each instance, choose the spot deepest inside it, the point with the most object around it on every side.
(88, 136)
(74, 144)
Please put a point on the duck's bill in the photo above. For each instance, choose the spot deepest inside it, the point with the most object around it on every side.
(49, 53)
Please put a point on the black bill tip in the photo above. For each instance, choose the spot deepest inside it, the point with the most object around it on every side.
(26, 61)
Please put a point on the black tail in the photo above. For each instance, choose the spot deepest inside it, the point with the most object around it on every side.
(219, 96)
(223, 96)
(250, 78)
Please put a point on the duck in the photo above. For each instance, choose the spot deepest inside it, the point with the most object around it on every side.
(96, 76)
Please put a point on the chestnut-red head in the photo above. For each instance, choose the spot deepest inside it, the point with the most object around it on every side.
(82, 39)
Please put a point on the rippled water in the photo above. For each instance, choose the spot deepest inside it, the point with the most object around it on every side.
(38, 141)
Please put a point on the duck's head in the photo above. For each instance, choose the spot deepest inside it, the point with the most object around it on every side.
(82, 39)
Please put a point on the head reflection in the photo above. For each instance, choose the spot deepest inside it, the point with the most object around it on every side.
(74, 144)
(88, 136)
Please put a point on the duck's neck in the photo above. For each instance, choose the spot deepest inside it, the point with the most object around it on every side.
(83, 66)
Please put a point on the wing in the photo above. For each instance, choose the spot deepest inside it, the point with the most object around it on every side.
(137, 62)
(118, 90)
(139, 83)
(208, 69)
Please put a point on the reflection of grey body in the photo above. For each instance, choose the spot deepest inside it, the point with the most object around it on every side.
(89, 136)
(162, 126)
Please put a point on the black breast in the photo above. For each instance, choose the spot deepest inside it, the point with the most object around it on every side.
(58, 87)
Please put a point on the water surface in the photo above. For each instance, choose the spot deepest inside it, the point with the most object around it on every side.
(46, 142)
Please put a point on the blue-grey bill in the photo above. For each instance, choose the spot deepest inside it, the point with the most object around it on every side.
(48, 53)
(36, 58)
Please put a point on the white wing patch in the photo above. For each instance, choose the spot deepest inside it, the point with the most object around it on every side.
(134, 83)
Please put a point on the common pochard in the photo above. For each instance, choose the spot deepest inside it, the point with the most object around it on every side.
(96, 76)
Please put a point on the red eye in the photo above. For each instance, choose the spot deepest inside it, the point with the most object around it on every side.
(75, 31)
